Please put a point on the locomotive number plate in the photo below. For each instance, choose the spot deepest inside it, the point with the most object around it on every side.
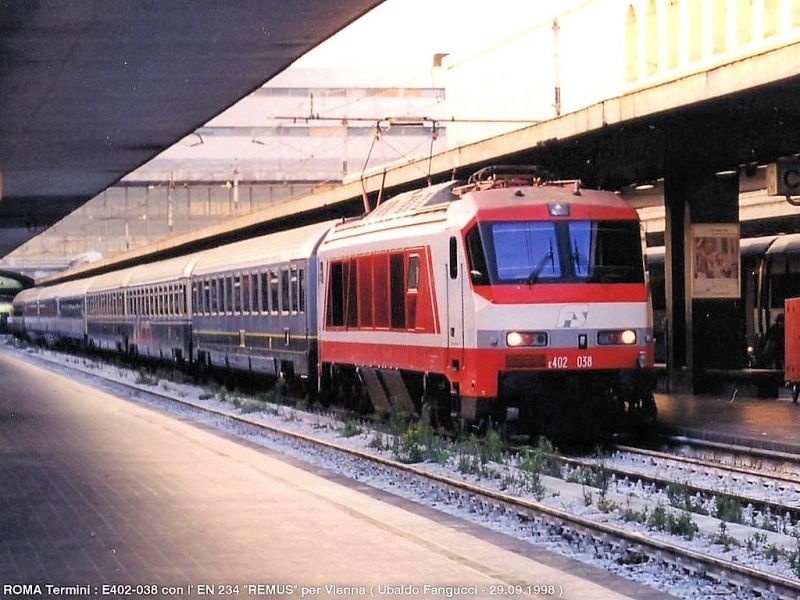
(583, 361)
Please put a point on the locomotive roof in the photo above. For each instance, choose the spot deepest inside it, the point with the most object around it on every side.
(410, 203)
(447, 200)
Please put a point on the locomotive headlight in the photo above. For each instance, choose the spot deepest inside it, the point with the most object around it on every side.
(624, 337)
(526, 338)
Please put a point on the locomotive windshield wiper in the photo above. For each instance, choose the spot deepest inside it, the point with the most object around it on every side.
(534, 276)
(576, 257)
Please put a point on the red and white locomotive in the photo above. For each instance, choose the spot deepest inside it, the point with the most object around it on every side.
(503, 298)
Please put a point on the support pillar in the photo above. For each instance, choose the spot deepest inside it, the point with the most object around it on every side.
(705, 312)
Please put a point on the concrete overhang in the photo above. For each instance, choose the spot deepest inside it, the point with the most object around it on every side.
(91, 90)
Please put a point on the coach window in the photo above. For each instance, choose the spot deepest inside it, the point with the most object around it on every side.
(263, 293)
(195, 297)
(236, 300)
(274, 296)
(227, 295)
(295, 291)
(301, 290)
(247, 300)
(285, 291)
(212, 296)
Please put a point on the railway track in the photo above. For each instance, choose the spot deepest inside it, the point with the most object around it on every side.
(498, 495)
(769, 488)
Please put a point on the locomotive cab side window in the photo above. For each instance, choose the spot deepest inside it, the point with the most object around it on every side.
(453, 258)
(478, 269)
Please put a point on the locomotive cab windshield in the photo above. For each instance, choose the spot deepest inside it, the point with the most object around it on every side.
(581, 251)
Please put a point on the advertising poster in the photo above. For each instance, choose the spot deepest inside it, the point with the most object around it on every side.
(715, 260)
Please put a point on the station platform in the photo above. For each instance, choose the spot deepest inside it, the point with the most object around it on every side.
(730, 417)
(101, 497)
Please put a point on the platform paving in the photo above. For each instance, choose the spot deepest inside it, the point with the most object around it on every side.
(771, 424)
(101, 497)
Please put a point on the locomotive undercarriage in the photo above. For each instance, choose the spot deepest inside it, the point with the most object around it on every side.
(556, 405)
(585, 405)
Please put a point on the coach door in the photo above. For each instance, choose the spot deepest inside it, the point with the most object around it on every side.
(455, 311)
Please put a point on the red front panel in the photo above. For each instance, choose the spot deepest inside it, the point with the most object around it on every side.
(477, 374)
(552, 293)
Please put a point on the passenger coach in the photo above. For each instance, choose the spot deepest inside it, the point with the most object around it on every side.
(254, 304)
